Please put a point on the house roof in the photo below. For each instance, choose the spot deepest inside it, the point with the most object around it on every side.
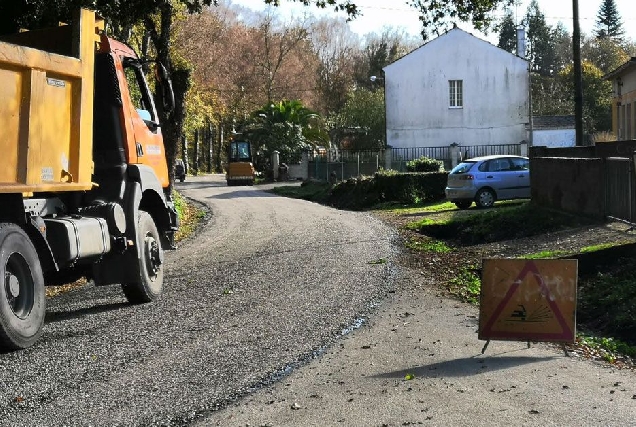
(622, 70)
(553, 122)
(456, 29)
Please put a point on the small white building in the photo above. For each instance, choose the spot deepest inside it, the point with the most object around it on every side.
(458, 89)
(553, 131)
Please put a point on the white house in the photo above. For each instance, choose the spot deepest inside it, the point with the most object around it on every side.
(458, 89)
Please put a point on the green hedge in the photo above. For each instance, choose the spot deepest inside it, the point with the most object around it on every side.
(424, 164)
(388, 186)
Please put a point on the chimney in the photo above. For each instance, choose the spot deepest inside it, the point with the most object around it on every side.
(521, 42)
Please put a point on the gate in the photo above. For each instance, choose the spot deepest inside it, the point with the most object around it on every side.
(619, 189)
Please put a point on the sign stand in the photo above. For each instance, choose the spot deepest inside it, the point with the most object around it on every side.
(565, 349)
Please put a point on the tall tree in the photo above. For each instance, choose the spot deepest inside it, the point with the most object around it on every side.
(540, 44)
(508, 33)
(608, 22)
(336, 47)
(362, 121)
(597, 96)
(605, 53)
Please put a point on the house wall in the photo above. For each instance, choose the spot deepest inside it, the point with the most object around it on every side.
(495, 94)
(554, 137)
(624, 106)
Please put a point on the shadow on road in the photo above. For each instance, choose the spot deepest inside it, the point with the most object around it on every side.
(76, 314)
(465, 366)
(241, 194)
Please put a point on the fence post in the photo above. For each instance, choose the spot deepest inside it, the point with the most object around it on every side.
(388, 156)
(455, 154)
(275, 164)
(358, 163)
(523, 146)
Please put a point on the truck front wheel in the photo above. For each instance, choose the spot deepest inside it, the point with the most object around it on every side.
(22, 296)
(150, 283)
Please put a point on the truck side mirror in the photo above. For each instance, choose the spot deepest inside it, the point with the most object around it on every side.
(167, 94)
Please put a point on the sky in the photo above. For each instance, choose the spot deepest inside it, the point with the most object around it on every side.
(378, 14)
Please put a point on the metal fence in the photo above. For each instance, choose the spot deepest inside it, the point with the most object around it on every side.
(346, 164)
(401, 156)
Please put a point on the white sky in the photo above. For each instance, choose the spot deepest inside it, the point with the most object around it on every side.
(395, 13)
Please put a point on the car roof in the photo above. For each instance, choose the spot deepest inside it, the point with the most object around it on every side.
(495, 156)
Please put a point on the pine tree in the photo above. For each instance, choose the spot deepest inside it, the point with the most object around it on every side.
(540, 43)
(508, 33)
(608, 22)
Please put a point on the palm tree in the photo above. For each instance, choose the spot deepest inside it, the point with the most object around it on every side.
(287, 127)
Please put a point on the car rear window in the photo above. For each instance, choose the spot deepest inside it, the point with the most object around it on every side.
(463, 167)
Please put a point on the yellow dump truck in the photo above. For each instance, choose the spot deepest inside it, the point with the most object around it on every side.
(84, 182)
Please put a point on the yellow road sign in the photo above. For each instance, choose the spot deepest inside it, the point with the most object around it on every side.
(528, 300)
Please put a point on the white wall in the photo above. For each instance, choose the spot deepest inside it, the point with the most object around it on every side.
(554, 137)
(495, 86)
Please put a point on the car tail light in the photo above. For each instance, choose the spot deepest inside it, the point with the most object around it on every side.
(467, 177)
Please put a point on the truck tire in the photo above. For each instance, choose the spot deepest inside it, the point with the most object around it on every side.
(22, 296)
(150, 284)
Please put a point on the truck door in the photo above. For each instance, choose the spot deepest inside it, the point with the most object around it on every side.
(140, 110)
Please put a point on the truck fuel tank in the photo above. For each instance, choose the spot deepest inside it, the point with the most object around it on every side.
(74, 238)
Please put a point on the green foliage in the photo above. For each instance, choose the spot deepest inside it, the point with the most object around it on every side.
(608, 22)
(314, 191)
(545, 254)
(607, 302)
(610, 346)
(466, 285)
(434, 246)
(287, 127)
(424, 164)
(503, 223)
(508, 33)
(597, 96)
(540, 43)
(360, 124)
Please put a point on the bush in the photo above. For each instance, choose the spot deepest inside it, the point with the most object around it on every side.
(424, 164)
(388, 186)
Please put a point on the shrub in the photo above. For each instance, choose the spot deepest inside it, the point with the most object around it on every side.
(388, 186)
(424, 164)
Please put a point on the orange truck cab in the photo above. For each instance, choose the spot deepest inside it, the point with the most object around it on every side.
(85, 187)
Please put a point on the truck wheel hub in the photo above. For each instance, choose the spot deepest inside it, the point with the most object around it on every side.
(13, 286)
(153, 255)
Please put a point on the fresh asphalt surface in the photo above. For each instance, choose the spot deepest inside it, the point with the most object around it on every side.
(264, 286)
(249, 332)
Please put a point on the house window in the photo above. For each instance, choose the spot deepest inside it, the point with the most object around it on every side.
(456, 93)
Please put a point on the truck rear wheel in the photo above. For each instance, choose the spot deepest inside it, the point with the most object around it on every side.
(150, 283)
(22, 296)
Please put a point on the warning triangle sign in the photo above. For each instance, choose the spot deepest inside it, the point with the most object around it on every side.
(528, 300)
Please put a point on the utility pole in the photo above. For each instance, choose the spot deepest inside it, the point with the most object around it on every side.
(578, 78)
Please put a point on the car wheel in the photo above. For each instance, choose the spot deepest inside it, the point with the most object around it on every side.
(150, 283)
(463, 204)
(485, 198)
(22, 296)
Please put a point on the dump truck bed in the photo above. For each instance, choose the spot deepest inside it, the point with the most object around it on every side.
(46, 109)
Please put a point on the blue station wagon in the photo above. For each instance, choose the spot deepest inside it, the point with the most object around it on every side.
(484, 180)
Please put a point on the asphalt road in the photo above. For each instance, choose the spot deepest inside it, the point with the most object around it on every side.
(264, 287)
